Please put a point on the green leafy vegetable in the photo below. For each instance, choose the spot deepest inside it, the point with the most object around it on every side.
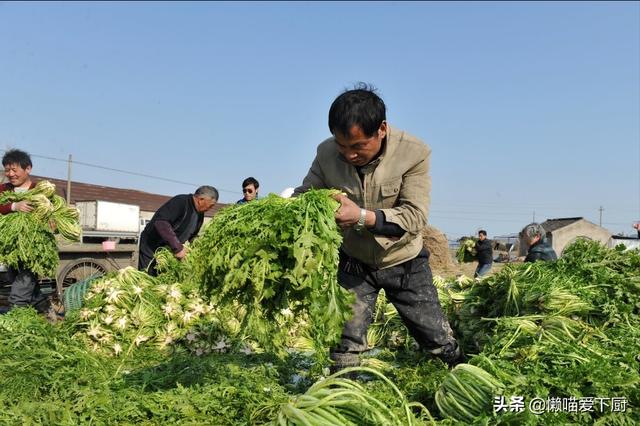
(278, 259)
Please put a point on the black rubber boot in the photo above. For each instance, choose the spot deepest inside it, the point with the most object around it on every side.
(452, 355)
(342, 360)
(42, 306)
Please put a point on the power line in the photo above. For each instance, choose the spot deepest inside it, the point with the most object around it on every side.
(476, 212)
(519, 209)
(437, 211)
(476, 219)
(97, 166)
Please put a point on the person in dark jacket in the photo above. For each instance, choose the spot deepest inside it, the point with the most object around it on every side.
(176, 222)
(249, 190)
(24, 284)
(535, 237)
(484, 254)
(637, 228)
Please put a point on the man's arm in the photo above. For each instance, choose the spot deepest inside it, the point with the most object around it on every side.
(533, 256)
(5, 208)
(413, 199)
(384, 228)
(166, 232)
(169, 213)
(20, 206)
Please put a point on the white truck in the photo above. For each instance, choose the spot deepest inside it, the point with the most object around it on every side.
(109, 241)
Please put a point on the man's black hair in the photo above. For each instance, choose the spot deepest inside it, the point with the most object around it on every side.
(15, 156)
(360, 107)
(250, 181)
(483, 232)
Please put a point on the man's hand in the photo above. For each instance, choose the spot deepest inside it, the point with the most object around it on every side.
(22, 206)
(181, 254)
(348, 213)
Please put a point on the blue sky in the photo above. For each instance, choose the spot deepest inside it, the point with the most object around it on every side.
(529, 108)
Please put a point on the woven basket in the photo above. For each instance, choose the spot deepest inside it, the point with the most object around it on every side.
(73, 295)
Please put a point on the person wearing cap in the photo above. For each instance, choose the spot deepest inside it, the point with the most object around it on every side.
(25, 290)
(535, 238)
(249, 190)
(177, 221)
(384, 173)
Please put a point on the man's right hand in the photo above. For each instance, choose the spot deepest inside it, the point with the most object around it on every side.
(181, 254)
(22, 206)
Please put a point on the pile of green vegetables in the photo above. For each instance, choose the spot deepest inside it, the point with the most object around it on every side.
(467, 250)
(564, 329)
(129, 308)
(268, 270)
(51, 377)
(27, 240)
(387, 328)
(277, 259)
(213, 338)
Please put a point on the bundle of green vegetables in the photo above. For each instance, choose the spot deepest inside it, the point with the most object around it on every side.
(278, 259)
(126, 309)
(569, 328)
(337, 401)
(26, 239)
(467, 250)
(467, 392)
(387, 328)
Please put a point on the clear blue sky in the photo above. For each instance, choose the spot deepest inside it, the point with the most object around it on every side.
(528, 107)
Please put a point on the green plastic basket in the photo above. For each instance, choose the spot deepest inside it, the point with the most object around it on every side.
(73, 295)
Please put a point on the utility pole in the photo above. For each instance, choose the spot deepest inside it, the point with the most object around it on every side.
(601, 209)
(534, 216)
(69, 181)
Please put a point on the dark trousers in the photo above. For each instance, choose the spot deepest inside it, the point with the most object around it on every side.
(146, 261)
(409, 286)
(25, 290)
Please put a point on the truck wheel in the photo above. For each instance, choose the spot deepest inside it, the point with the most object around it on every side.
(79, 270)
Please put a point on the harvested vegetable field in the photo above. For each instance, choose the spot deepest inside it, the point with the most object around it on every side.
(239, 334)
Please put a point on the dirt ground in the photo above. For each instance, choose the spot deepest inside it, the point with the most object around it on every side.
(469, 268)
(443, 259)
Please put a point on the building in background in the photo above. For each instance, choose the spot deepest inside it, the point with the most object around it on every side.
(561, 232)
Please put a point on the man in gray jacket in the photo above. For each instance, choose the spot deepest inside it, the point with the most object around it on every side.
(384, 173)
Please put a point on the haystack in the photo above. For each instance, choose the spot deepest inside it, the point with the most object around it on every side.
(440, 260)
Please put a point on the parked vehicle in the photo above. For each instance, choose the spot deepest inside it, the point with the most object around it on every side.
(109, 241)
(110, 233)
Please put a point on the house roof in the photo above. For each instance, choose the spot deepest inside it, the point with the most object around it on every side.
(88, 192)
(551, 225)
